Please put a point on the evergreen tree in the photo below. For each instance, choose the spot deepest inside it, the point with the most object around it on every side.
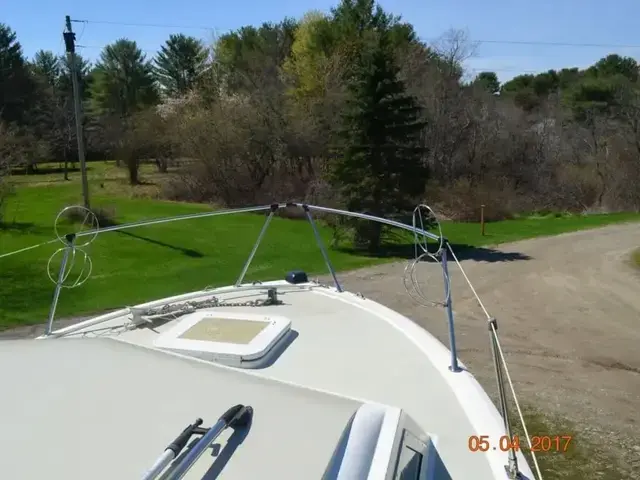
(17, 87)
(179, 63)
(379, 166)
(123, 82)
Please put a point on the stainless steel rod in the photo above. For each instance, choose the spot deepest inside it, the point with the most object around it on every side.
(255, 248)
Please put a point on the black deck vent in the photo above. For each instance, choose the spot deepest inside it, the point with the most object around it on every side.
(297, 276)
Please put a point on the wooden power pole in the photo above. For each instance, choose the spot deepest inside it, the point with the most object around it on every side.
(70, 44)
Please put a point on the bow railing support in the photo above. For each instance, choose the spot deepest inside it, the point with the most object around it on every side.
(453, 366)
(68, 249)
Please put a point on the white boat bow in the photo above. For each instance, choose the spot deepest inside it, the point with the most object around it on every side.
(286, 379)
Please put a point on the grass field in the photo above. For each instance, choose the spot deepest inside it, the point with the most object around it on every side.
(583, 457)
(160, 260)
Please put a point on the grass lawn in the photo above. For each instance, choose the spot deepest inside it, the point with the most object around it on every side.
(583, 457)
(160, 260)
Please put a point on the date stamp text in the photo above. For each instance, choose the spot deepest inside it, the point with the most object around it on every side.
(539, 443)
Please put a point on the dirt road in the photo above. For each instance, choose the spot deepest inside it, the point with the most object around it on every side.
(568, 309)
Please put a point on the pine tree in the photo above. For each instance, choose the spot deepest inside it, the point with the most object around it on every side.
(379, 166)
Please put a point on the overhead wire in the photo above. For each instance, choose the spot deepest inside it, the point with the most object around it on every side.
(558, 44)
(219, 30)
(149, 25)
(495, 41)
(98, 47)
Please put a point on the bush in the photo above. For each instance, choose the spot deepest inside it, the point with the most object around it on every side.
(5, 191)
(106, 216)
(242, 156)
(463, 201)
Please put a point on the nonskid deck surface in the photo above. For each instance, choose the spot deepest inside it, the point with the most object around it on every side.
(352, 346)
(100, 409)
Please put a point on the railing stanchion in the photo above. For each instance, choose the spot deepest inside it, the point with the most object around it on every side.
(322, 248)
(273, 210)
(448, 305)
(70, 238)
(512, 468)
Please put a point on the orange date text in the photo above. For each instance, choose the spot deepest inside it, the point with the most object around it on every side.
(539, 443)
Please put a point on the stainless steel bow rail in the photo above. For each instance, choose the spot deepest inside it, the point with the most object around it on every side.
(72, 245)
(239, 416)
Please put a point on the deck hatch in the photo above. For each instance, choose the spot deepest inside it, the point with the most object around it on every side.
(233, 338)
(226, 330)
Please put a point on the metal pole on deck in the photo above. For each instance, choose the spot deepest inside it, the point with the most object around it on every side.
(448, 305)
(70, 238)
(245, 268)
(512, 468)
(322, 248)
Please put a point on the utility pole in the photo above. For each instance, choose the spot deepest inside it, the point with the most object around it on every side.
(70, 44)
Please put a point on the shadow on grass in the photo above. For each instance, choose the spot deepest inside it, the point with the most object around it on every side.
(462, 251)
(185, 251)
(146, 183)
(17, 226)
(106, 218)
(24, 228)
(43, 171)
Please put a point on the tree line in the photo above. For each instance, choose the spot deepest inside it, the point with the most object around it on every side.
(349, 108)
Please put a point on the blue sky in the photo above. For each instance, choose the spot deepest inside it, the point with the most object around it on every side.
(39, 24)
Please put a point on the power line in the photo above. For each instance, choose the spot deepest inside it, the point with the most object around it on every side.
(496, 41)
(558, 44)
(84, 25)
(150, 25)
(475, 69)
(504, 70)
(98, 47)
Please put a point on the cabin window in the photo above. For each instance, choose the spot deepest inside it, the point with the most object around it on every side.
(410, 458)
(409, 463)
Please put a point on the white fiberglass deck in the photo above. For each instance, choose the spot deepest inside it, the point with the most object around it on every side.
(350, 346)
(99, 409)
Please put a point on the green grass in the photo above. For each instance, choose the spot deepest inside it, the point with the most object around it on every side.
(146, 262)
(584, 458)
(529, 227)
(160, 260)
(105, 178)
